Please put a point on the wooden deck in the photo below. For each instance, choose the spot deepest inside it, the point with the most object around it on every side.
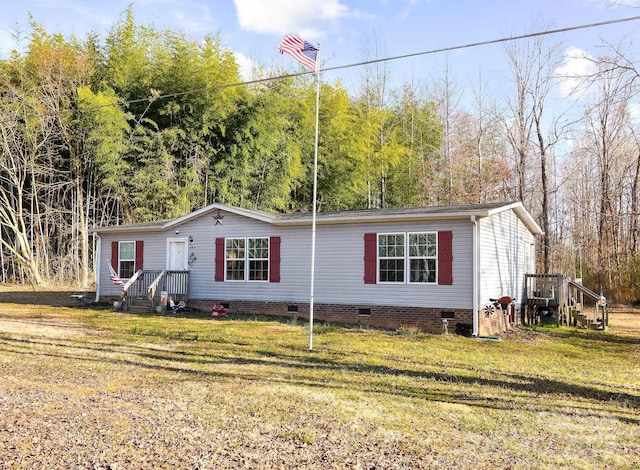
(553, 298)
(148, 289)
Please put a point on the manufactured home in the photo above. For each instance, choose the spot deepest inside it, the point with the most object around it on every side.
(433, 268)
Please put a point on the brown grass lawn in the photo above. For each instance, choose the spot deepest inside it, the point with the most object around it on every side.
(82, 387)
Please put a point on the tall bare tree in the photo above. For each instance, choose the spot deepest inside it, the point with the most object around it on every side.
(23, 145)
(533, 64)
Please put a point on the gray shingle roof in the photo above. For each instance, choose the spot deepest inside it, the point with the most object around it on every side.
(340, 217)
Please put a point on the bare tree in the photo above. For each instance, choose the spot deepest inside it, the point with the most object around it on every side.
(21, 149)
(533, 64)
(447, 95)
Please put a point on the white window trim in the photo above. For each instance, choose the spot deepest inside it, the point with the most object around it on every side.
(267, 259)
(404, 234)
(226, 259)
(120, 259)
(186, 251)
(247, 260)
(407, 259)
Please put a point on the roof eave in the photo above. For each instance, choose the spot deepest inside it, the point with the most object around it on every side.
(170, 224)
(382, 218)
(521, 212)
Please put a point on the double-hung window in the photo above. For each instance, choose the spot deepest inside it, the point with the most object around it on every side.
(407, 257)
(126, 259)
(423, 256)
(235, 259)
(258, 257)
(247, 259)
(391, 255)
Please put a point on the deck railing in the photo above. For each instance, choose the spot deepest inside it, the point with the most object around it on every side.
(598, 317)
(174, 283)
(137, 287)
(545, 295)
(552, 297)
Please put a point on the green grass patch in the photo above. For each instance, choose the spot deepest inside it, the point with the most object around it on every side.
(97, 388)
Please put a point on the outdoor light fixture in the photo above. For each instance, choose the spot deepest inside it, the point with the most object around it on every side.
(190, 239)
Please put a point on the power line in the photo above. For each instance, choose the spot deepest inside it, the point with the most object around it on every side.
(405, 56)
(486, 43)
(369, 62)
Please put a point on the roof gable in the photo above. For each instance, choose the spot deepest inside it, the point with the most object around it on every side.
(341, 217)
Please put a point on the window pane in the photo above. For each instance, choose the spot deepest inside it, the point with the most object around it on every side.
(258, 248)
(422, 270)
(391, 254)
(127, 250)
(392, 270)
(126, 269)
(258, 270)
(235, 259)
(235, 270)
(391, 245)
(432, 243)
(235, 248)
(422, 244)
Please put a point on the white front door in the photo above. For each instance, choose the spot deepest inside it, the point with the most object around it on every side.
(176, 254)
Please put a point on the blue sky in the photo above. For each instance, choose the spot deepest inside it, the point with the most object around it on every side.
(253, 28)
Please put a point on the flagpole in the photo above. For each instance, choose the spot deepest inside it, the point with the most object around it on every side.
(315, 194)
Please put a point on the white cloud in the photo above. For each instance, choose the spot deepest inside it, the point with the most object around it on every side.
(245, 65)
(578, 64)
(198, 19)
(304, 17)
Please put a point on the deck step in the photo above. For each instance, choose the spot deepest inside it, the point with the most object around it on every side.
(596, 325)
(140, 306)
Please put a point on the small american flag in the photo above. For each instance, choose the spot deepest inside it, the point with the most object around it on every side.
(300, 49)
(114, 276)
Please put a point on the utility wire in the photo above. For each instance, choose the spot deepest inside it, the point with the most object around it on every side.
(486, 43)
(369, 62)
(387, 59)
(405, 56)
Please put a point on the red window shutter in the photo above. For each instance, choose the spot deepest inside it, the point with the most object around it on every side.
(370, 258)
(274, 259)
(115, 259)
(139, 263)
(219, 260)
(445, 258)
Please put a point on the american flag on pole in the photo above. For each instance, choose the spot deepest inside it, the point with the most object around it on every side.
(114, 276)
(300, 49)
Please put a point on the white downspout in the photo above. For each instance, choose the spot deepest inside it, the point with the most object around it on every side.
(476, 275)
(97, 265)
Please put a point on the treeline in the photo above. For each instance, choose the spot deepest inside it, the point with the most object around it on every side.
(146, 124)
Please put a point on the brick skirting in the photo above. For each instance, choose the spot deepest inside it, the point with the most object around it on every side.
(388, 317)
(490, 324)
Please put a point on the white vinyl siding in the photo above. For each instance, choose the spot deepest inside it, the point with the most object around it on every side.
(339, 269)
(506, 255)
